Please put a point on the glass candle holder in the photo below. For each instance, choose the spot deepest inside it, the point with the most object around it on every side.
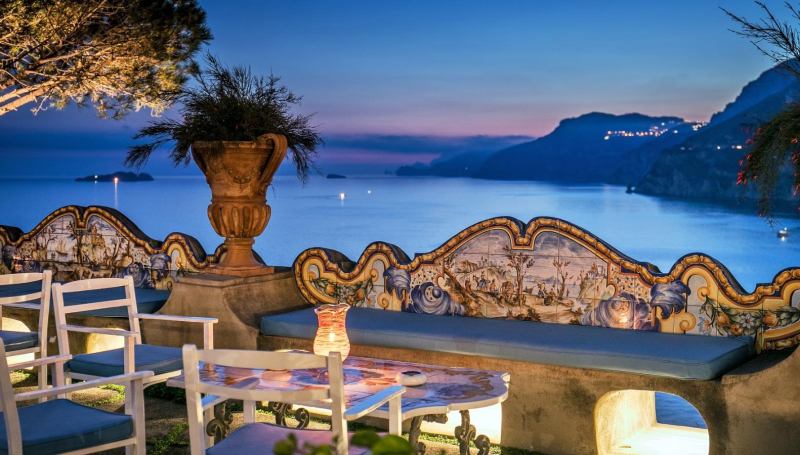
(331, 331)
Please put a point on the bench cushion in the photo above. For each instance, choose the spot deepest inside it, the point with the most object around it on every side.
(147, 300)
(158, 359)
(14, 341)
(57, 426)
(660, 354)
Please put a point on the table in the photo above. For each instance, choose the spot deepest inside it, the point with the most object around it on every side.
(447, 389)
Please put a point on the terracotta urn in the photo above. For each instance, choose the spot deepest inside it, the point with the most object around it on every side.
(239, 173)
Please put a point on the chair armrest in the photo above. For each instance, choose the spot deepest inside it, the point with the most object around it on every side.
(43, 361)
(373, 402)
(208, 324)
(177, 318)
(98, 330)
(65, 389)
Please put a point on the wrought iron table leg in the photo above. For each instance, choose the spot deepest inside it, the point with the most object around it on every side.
(220, 425)
(413, 434)
(282, 410)
(466, 433)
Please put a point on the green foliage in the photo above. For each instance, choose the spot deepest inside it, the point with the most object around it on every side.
(173, 394)
(117, 55)
(378, 445)
(173, 438)
(231, 104)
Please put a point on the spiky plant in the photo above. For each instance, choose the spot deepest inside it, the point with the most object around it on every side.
(231, 104)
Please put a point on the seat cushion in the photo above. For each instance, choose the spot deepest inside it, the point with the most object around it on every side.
(147, 300)
(260, 438)
(57, 426)
(158, 359)
(660, 354)
(14, 341)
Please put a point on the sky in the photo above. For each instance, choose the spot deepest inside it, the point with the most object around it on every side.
(436, 76)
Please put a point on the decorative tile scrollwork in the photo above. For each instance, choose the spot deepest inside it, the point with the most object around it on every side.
(92, 242)
(549, 270)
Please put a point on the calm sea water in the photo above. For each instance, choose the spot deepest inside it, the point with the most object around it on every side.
(419, 214)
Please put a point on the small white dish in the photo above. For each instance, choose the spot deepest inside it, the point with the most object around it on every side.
(411, 378)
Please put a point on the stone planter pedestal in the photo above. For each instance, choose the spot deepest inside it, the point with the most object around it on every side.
(238, 303)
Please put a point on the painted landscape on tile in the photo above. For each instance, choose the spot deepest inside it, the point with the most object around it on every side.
(98, 249)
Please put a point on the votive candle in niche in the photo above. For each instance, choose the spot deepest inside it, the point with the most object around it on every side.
(331, 331)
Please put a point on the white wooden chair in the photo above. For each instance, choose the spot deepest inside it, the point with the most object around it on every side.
(63, 426)
(165, 362)
(21, 290)
(259, 438)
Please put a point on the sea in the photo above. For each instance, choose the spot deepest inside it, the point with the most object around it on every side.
(420, 213)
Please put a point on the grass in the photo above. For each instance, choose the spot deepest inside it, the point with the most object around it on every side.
(174, 438)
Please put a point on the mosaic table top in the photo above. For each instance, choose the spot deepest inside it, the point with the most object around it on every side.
(447, 389)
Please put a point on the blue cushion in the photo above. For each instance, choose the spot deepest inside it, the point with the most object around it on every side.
(57, 426)
(260, 438)
(158, 359)
(147, 300)
(660, 354)
(14, 341)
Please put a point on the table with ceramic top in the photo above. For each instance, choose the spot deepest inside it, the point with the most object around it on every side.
(447, 389)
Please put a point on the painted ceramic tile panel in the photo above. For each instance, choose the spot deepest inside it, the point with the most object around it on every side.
(554, 272)
(80, 243)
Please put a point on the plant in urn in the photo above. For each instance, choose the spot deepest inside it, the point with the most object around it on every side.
(238, 128)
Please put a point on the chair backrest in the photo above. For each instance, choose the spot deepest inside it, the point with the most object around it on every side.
(38, 300)
(213, 360)
(8, 405)
(61, 310)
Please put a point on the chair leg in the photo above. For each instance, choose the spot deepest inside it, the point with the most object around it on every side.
(134, 405)
(249, 411)
(42, 380)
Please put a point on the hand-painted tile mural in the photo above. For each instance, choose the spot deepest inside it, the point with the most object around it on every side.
(94, 242)
(552, 271)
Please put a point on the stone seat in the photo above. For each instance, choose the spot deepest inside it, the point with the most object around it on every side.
(147, 300)
(651, 353)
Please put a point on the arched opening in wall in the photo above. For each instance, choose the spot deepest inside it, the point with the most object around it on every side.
(14, 325)
(647, 422)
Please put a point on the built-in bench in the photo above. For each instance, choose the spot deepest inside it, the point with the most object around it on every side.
(573, 320)
(660, 354)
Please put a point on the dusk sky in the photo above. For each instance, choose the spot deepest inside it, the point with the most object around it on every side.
(430, 69)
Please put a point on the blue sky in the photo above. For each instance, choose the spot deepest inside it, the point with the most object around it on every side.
(439, 68)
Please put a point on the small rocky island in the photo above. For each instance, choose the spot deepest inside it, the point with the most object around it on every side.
(336, 176)
(119, 176)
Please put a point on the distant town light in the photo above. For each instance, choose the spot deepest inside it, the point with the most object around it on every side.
(341, 196)
(369, 191)
(719, 147)
(606, 137)
(116, 180)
